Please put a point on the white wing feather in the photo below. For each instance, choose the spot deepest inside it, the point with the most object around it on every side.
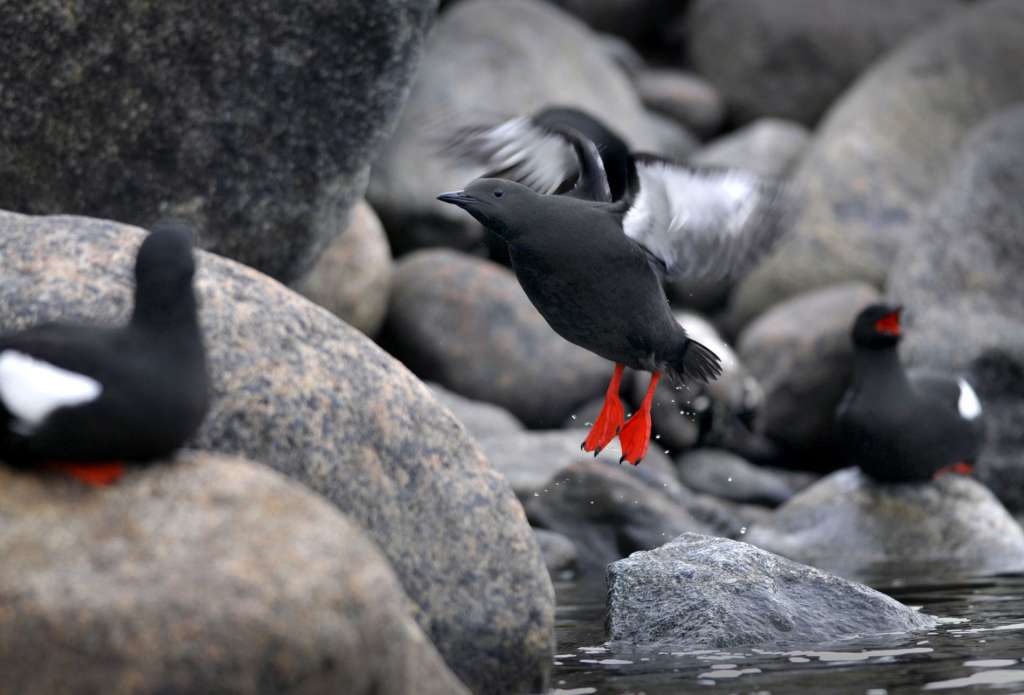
(968, 403)
(705, 223)
(32, 389)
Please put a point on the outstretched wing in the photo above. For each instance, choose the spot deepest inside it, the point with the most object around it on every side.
(704, 222)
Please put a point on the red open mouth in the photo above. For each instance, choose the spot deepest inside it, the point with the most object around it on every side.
(889, 324)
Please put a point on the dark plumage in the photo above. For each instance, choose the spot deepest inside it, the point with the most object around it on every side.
(94, 395)
(901, 426)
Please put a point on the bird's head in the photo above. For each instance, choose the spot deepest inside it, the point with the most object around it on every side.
(164, 268)
(877, 327)
(501, 206)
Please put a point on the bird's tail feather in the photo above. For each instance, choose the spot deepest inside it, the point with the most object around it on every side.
(694, 362)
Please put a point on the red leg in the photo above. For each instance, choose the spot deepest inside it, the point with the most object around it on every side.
(961, 467)
(610, 420)
(637, 432)
(99, 474)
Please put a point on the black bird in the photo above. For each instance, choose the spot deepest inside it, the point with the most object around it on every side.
(592, 268)
(901, 426)
(86, 399)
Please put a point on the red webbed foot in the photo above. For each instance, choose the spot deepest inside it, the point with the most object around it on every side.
(98, 474)
(960, 468)
(609, 422)
(636, 434)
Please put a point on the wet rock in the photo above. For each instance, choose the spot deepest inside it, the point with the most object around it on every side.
(886, 147)
(466, 324)
(511, 58)
(801, 354)
(702, 592)
(959, 278)
(228, 117)
(559, 552)
(792, 58)
(352, 277)
(181, 578)
(848, 523)
(726, 475)
(481, 419)
(769, 147)
(683, 97)
(297, 389)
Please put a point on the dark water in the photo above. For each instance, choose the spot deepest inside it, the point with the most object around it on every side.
(978, 646)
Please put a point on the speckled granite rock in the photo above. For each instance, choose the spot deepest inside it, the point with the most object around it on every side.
(702, 592)
(850, 524)
(208, 575)
(959, 278)
(297, 389)
(257, 119)
(886, 146)
(467, 324)
(352, 277)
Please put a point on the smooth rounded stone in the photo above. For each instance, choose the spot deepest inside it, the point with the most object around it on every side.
(801, 354)
(467, 324)
(256, 120)
(623, 54)
(636, 20)
(769, 147)
(296, 388)
(724, 474)
(352, 277)
(886, 147)
(684, 97)
(959, 278)
(481, 419)
(208, 574)
(792, 58)
(610, 511)
(484, 60)
(850, 524)
(559, 552)
(702, 592)
(674, 140)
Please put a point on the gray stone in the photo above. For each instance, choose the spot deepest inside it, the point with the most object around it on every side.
(673, 140)
(206, 574)
(636, 20)
(467, 324)
(800, 352)
(792, 58)
(481, 419)
(487, 59)
(851, 524)
(622, 54)
(559, 552)
(352, 277)
(726, 475)
(769, 147)
(702, 592)
(959, 277)
(886, 147)
(257, 120)
(684, 97)
(297, 389)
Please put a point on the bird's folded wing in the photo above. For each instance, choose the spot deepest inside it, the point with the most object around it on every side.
(518, 149)
(31, 389)
(705, 222)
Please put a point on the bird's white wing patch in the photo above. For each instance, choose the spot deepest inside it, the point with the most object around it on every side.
(968, 403)
(517, 149)
(705, 223)
(31, 389)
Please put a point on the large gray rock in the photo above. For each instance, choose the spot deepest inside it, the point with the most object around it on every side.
(886, 147)
(467, 324)
(296, 388)
(484, 59)
(481, 419)
(259, 120)
(684, 97)
(792, 58)
(959, 277)
(768, 147)
(559, 552)
(848, 523)
(702, 592)
(800, 352)
(726, 475)
(635, 20)
(207, 574)
(352, 277)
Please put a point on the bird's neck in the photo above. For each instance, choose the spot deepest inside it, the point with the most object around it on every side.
(176, 322)
(878, 368)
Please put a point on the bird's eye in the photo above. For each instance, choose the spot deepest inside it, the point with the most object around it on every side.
(499, 193)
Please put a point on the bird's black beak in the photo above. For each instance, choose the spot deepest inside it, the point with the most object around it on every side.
(458, 198)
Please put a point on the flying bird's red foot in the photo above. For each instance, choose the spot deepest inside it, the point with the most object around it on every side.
(92, 474)
(609, 422)
(636, 434)
(961, 468)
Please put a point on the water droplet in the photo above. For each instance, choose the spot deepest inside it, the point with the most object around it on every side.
(588, 424)
(743, 530)
(536, 494)
(666, 452)
(657, 436)
(591, 501)
(573, 417)
(729, 479)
